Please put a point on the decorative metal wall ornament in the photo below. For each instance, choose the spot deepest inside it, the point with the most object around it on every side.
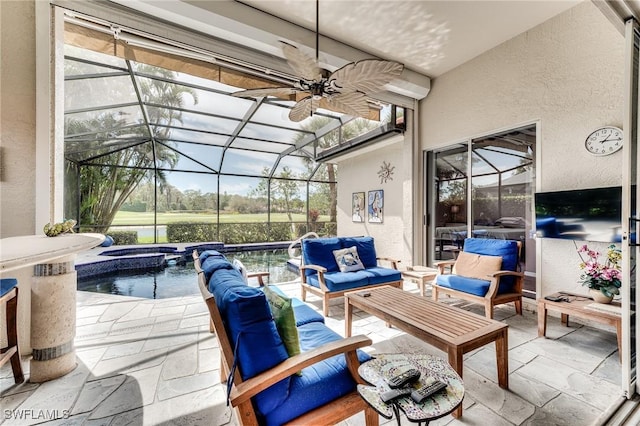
(343, 90)
(386, 172)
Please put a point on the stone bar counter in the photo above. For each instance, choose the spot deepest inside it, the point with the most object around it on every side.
(52, 289)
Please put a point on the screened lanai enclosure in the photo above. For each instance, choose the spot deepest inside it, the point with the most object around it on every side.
(159, 154)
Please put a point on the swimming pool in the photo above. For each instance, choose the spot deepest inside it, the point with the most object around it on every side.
(181, 280)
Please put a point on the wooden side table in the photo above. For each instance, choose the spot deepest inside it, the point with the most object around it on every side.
(421, 275)
(377, 370)
(581, 306)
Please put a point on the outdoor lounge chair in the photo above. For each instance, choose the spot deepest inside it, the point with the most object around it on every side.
(484, 272)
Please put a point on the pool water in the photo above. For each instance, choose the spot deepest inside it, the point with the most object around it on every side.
(181, 280)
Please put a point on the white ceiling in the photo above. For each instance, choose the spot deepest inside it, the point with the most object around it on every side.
(430, 37)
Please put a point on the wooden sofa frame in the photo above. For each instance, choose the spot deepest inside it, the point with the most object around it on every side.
(492, 298)
(242, 391)
(326, 294)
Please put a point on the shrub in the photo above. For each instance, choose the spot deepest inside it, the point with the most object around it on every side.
(191, 232)
(124, 237)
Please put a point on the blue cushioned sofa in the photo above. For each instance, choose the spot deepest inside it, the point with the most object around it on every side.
(265, 385)
(501, 285)
(320, 274)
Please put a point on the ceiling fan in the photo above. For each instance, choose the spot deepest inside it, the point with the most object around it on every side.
(344, 90)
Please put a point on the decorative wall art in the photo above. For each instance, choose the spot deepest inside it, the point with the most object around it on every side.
(376, 206)
(386, 172)
(357, 207)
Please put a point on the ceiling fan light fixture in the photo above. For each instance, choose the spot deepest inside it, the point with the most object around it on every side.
(343, 90)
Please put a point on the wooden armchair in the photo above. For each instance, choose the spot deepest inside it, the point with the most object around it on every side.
(243, 390)
(484, 272)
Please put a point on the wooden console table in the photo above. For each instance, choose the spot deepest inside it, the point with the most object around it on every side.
(584, 307)
(448, 328)
(421, 275)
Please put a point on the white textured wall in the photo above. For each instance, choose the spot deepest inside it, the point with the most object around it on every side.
(568, 74)
(360, 174)
(17, 118)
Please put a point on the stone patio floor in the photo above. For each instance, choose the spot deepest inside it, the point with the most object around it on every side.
(154, 362)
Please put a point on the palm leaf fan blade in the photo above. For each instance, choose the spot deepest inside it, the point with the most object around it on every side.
(303, 109)
(303, 65)
(354, 104)
(366, 76)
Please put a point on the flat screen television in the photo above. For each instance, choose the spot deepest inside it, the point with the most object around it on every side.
(582, 214)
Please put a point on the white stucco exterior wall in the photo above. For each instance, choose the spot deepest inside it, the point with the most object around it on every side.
(360, 174)
(566, 74)
(17, 118)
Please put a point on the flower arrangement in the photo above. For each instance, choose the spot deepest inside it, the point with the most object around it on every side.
(603, 276)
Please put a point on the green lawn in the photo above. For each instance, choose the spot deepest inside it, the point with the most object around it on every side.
(146, 218)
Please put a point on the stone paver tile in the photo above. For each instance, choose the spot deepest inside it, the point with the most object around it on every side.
(166, 324)
(564, 352)
(610, 369)
(194, 321)
(187, 384)
(206, 339)
(533, 391)
(133, 325)
(138, 389)
(10, 404)
(80, 321)
(130, 363)
(168, 310)
(484, 362)
(117, 310)
(205, 407)
(592, 390)
(56, 396)
(506, 404)
(90, 356)
(171, 338)
(100, 329)
(124, 349)
(180, 362)
(140, 311)
(93, 393)
(8, 385)
(564, 411)
(196, 308)
(479, 415)
(90, 310)
(521, 354)
(208, 360)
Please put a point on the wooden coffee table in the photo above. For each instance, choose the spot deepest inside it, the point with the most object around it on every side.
(448, 328)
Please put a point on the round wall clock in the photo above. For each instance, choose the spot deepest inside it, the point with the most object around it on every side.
(604, 141)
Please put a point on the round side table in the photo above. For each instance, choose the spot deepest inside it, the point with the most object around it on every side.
(383, 366)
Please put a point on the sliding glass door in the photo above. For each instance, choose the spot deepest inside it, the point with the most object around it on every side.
(483, 188)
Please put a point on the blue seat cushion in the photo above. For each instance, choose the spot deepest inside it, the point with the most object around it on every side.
(6, 284)
(337, 281)
(319, 251)
(472, 285)
(319, 383)
(252, 331)
(366, 249)
(507, 249)
(379, 275)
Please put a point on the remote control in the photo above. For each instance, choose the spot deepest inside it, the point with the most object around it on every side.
(392, 394)
(402, 379)
(426, 391)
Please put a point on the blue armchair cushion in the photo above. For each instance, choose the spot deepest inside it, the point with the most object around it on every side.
(6, 285)
(507, 249)
(366, 249)
(464, 284)
(319, 251)
(252, 330)
(320, 383)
